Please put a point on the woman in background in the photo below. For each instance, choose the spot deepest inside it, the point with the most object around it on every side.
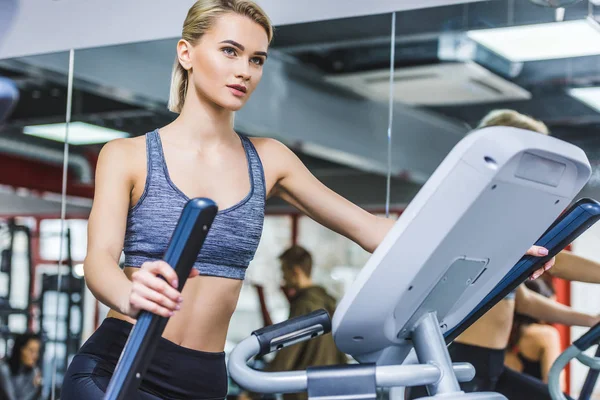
(20, 377)
(534, 345)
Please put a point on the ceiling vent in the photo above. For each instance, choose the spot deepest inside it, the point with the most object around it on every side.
(443, 84)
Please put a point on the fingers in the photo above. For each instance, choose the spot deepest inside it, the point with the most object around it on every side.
(150, 280)
(144, 304)
(545, 268)
(156, 297)
(152, 293)
(163, 269)
(537, 274)
(537, 251)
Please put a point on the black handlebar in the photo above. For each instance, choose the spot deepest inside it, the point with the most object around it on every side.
(589, 338)
(188, 237)
(295, 330)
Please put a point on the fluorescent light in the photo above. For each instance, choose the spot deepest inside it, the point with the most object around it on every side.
(541, 41)
(79, 133)
(589, 96)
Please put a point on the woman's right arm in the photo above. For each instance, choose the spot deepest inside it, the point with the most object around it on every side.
(106, 233)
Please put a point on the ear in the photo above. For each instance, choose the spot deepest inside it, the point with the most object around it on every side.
(184, 49)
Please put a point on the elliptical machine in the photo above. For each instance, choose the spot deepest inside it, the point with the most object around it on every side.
(454, 253)
(576, 351)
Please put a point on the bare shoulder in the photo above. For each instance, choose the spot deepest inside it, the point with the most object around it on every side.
(269, 148)
(277, 160)
(275, 156)
(543, 332)
(122, 159)
(124, 152)
(121, 148)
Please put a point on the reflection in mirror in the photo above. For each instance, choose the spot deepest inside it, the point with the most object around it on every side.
(472, 58)
(33, 102)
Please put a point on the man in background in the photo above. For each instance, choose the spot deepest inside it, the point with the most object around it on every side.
(304, 297)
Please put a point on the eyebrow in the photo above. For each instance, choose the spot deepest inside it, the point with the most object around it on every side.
(242, 48)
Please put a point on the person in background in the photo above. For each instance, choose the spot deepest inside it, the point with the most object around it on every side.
(305, 297)
(534, 345)
(20, 376)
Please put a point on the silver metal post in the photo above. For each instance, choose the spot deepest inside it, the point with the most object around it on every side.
(431, 349)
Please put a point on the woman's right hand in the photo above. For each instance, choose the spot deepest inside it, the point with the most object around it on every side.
(152, 293)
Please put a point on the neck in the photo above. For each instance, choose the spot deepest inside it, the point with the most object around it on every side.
(202, 122)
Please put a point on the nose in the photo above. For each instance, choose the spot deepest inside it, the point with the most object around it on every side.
(244, 71)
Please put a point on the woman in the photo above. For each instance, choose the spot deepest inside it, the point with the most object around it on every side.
(533, 345)
(142, 185)
(20, 377)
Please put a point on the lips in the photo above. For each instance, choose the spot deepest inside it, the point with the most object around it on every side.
(238, 87)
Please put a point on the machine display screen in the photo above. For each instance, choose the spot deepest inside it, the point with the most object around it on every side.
(541, 170)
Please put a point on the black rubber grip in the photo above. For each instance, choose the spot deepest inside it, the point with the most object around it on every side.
(298, 329)
(182, 252)
(589, 338)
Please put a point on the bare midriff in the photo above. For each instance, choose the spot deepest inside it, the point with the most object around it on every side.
(206, 310)
(493, 329)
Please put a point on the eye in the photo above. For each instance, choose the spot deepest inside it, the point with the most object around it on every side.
(257, 60)
(229, 51)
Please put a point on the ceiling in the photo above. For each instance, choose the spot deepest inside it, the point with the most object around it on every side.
(326, 49)
(362, 44)
(26, 21)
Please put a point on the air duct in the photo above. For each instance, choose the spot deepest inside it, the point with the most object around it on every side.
(78, 163)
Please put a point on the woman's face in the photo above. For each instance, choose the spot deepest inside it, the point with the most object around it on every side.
(226, 64)
(30, 353)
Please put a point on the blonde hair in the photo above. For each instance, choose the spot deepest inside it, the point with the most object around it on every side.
(514, 119)
(199, 20)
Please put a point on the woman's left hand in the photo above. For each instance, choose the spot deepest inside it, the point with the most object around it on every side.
(538, 251)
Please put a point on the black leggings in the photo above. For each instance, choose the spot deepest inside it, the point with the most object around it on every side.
(175, 372)
(492, 376)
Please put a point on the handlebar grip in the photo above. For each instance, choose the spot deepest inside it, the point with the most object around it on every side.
(189, 235)
(187, 240)
(589, 338)
(292, 331)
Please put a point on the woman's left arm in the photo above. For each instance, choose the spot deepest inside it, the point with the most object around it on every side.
(296, 185)
(575, 268)
(535, 305)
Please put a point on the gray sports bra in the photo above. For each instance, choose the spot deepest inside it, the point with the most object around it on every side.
(235, 233)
